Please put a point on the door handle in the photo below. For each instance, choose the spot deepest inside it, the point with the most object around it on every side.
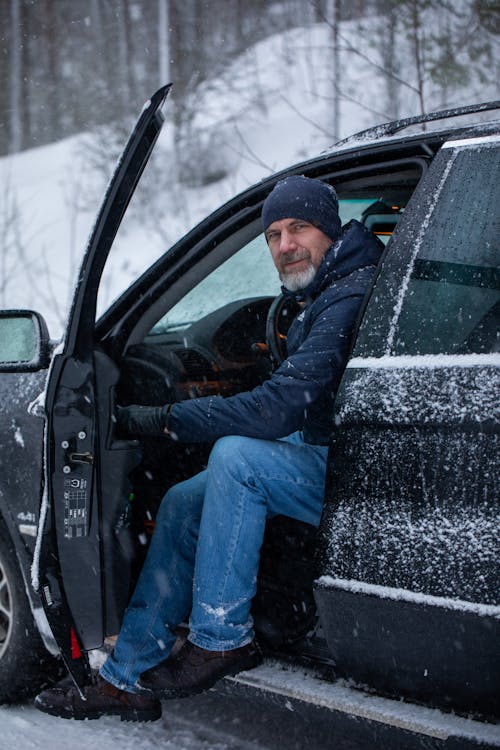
(81, 458)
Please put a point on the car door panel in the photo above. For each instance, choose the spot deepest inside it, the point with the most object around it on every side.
(117, 460)
(84, 489)
(416, 515)
(74, 497)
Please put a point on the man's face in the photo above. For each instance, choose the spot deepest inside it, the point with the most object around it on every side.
(297, 248)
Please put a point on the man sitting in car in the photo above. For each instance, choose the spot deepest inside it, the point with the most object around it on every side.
(269, 458)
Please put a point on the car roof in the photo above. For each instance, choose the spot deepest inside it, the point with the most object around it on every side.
(395, 126)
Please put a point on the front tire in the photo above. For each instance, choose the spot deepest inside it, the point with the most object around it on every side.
(25, 664)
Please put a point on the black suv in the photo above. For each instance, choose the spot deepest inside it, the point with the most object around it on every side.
(391, 608)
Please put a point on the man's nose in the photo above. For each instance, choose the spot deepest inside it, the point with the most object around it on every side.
(287, 242)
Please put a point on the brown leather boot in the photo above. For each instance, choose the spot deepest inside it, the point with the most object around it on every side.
(100, 699)
(195, 669)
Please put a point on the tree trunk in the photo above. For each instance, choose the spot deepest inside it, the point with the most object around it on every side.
(16, 134)
(333, 17)
(163, 42)
(418, 52)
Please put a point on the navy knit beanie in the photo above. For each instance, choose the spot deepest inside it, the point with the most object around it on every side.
(299, 197)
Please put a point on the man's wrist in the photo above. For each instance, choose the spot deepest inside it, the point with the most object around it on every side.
(165, 416)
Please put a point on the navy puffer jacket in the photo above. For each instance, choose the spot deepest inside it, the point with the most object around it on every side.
(300, 393)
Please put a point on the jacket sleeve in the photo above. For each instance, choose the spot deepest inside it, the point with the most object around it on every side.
(278, 406)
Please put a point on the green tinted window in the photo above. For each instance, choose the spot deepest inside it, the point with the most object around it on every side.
(451, 302)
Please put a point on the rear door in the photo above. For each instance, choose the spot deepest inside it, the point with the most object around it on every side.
(412, 507)
(82, 581)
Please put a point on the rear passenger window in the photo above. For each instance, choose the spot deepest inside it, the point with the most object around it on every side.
(451, 300)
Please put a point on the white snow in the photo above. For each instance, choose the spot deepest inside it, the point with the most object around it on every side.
(55, 193)
(25, 728)
(412, 390)
(18, 436)
(406, 361)
(398, 594)
(218, 612)
(304, 685)
(187, 725)
(37, 406)
(469, 142)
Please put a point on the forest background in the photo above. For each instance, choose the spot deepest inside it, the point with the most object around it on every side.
(258, 85)
(69, 65)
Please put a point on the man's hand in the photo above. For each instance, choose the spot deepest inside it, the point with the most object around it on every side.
(142, 420)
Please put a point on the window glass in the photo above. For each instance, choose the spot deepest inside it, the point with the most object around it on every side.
(248, 273)
(451, 303)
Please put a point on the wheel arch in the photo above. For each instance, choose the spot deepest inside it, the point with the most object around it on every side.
(24, 560)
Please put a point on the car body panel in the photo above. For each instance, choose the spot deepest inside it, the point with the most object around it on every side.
(21, 449)
(412, 504)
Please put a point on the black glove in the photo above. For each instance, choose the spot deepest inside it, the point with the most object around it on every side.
(142, 420)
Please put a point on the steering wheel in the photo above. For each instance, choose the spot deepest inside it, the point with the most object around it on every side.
(279, 319)
(150, 377)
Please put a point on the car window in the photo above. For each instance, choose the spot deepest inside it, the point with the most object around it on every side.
(248, 273)
(451, 300)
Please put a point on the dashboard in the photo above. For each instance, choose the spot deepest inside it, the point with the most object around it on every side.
(220, 354)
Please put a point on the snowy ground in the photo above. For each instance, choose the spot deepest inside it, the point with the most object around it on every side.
(51, 194)
(185, 725)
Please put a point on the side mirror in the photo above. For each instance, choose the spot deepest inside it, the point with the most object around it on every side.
(24, 341)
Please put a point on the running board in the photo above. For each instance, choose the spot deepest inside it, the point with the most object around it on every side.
(347, 712)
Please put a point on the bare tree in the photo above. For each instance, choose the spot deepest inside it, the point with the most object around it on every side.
(333, 18)
(9, 236)
(418, 43)
(15, 78)
(71, 65)
(163, 41)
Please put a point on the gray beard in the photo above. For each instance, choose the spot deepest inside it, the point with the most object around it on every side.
(298, 280)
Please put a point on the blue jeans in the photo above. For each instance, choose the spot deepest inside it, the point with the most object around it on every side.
(204, 554)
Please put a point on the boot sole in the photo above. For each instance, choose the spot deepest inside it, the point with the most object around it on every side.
(133, 715)
(170, 693)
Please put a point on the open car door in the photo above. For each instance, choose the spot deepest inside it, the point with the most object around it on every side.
(82, 565)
